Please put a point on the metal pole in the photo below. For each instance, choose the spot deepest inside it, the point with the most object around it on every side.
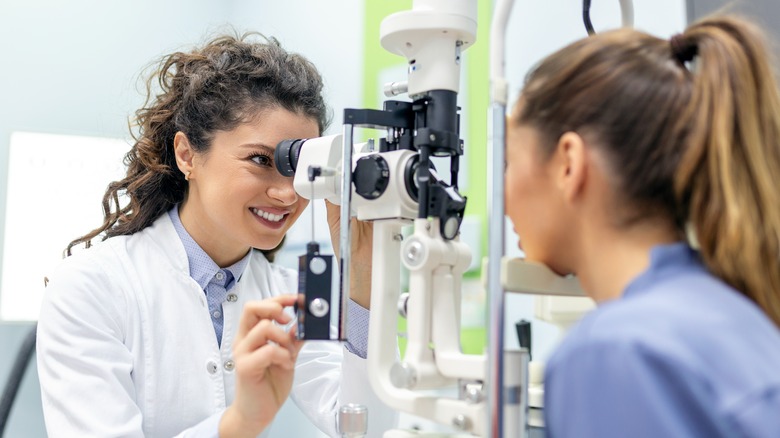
(345, 241)
(495, 254)
(495, 196)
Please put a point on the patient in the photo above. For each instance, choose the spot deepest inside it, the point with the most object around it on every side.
(618, 145)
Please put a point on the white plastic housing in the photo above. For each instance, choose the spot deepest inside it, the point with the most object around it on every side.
(562, 311)
(325, 152)
(431, 37)
(521, 276)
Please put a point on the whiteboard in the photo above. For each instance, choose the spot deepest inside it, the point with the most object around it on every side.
(55, 187)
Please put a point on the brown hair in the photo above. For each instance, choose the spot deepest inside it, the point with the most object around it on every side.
(215, 87)
(693, 142)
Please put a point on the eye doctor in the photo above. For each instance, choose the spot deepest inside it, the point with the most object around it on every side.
(172, 325)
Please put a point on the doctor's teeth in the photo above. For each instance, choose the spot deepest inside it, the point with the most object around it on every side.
(268, 216)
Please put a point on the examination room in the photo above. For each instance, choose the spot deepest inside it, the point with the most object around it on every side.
(561, 218)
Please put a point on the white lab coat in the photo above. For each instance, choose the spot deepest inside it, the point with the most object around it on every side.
(126, 346)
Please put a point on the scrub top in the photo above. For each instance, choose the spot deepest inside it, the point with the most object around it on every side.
(680, 354)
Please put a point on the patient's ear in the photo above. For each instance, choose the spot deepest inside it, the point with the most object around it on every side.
(571, 170)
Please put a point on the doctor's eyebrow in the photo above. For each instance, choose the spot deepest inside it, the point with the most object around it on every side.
(267, 148)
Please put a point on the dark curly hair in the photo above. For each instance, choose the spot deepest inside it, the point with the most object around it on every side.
(216, 87)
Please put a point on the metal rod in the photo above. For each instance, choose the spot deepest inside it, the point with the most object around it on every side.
(627, 13)
(495, 195)
(495, 293)
(345, 239)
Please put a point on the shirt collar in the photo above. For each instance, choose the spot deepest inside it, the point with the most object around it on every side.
(665, 260)
(202, 267)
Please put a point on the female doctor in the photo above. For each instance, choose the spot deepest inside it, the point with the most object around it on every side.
(173, 325)
(617, 143)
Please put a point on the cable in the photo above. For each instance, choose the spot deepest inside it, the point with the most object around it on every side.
(586, 17)
(15, 377)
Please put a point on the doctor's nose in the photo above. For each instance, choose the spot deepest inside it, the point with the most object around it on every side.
(282, 190)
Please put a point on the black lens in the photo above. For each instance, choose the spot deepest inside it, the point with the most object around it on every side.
(286, 155)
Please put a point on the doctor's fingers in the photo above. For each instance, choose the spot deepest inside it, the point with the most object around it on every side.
(268, 309)
(263, 332)
(256, 363)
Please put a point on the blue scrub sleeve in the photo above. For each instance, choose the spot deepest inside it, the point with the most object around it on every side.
(604, 390)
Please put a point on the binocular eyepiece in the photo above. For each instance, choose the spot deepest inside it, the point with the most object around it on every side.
(286, 155)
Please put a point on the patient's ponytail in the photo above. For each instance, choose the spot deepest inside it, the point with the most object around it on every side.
(728, 180)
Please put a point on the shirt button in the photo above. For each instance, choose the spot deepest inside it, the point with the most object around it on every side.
(220, 276)
(232, 298)
(211, 367)
(229, 365)
(216, 314)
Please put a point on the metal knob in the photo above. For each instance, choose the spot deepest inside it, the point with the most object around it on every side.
(319, 307)
(403, 375)
(353, 421)
(395, 88)
(403, 302)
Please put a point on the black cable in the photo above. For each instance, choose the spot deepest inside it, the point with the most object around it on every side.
(586, 17)
(15, 377)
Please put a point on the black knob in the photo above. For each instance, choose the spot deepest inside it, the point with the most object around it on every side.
(523, 328)
(371, 176)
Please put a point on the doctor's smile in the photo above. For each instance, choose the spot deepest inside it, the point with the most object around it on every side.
(270, 217)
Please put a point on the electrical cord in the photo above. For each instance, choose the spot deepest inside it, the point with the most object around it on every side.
(586, 17)
(15, 377)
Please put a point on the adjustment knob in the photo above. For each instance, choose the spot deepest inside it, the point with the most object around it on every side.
(371, 176)
(353, 421)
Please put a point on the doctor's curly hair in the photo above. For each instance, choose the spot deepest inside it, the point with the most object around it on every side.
(212, 88)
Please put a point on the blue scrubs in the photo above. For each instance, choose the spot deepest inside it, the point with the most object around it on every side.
(680, 354)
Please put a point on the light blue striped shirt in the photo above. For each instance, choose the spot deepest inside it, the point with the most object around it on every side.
(215, 281)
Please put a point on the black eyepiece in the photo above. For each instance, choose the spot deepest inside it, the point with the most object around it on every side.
(286, 155)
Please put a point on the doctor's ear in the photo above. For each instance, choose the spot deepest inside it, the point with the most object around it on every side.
(184, 153)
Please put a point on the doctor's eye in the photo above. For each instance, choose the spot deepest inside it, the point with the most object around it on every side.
(262, 159)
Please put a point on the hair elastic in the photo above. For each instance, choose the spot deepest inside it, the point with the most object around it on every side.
(682, 49)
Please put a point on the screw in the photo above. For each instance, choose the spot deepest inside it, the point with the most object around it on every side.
(461, 422)
(319, 307)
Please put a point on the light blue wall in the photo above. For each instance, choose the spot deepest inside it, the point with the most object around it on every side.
(71, 67)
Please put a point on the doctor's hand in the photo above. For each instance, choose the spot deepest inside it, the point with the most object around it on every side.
(362, 248)
(264, 355)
